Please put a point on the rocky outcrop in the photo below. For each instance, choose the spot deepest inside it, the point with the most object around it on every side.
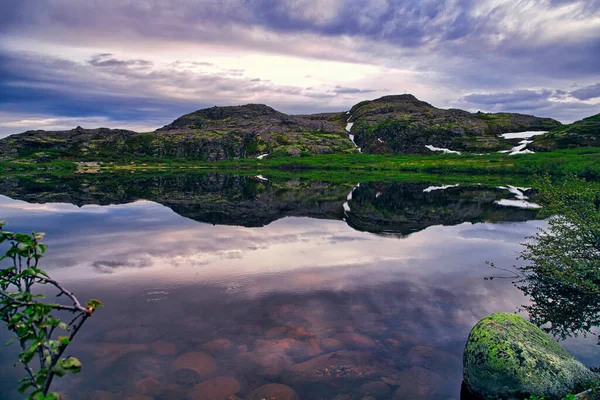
(404, 124)
(584, 133)
(74, 143)
(212, 134)
(507, 357)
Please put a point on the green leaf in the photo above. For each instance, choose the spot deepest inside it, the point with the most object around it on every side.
(59, 370)
(28, 354)
(94, 303)
(11, 341)
(71, 364)
(24, 386)
(37, 395)
(16, 318)
(41, 377)
(64, 340)
(53, 396)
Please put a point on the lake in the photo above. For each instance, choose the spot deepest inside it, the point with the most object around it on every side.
(215, 285)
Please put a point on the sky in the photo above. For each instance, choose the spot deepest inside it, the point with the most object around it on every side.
(141, 64)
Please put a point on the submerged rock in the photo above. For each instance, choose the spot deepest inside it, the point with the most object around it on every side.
(510, 358)
(216, 389)
(200, 362)
(273, 391)
(345, 365)
(218, 346)
(186, 377)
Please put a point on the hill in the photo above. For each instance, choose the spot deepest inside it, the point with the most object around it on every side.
(404, 124)
(392, 124)
(212, 134)
(584, 133)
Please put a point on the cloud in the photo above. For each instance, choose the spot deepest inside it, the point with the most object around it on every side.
(108, 89)
(559, 104)
(347, 90)
(509, 98)
(532, 32)
(110, 266)
(587, 92)
(123, 57)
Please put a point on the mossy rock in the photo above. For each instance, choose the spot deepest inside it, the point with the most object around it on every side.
(507, 357)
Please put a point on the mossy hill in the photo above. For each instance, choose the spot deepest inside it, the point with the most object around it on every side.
(404, 124)
(212, 134)
(584, 133)
(391, 124)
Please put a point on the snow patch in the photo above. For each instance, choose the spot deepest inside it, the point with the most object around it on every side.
(520, 198)
(432, 188)
(522, 135)
(446, 151)
(348, 198)
(262, 156)
(350, 135)
(517, 191)
(517, 203)
(520, 149)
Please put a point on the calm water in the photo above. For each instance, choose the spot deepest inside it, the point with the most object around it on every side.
(215, 284)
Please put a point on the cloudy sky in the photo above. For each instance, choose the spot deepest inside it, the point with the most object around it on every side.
(140, 64)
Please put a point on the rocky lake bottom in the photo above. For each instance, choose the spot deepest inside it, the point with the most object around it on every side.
(225, 287)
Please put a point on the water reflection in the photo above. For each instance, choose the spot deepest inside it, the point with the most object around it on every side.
(320, 305)
(393, 208)
(560, 308)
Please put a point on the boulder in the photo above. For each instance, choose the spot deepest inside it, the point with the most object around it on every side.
(510, 358)
(273, 391)
(202, 363)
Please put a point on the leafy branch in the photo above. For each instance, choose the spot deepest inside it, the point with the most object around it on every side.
(42, 336)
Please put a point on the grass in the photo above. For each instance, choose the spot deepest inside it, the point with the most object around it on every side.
(584, 162)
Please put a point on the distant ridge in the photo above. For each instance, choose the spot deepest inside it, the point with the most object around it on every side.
(396, 124)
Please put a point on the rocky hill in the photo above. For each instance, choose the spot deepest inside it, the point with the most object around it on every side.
(252, 130)
(404, 124)
(391, 124)
(584, 133)
(212, 134)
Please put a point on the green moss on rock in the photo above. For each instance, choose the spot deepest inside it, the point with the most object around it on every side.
(507, 357)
